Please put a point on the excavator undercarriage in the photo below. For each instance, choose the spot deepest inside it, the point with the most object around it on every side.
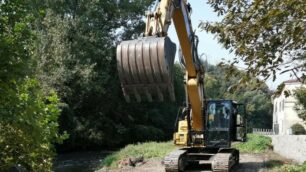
(201, 159)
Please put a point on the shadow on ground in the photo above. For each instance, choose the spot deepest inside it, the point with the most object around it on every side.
(256, 163)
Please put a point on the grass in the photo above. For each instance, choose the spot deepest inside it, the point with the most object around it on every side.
(255, 144)
(147, 150)
(280, 166)
(261, 144)
(289, 168)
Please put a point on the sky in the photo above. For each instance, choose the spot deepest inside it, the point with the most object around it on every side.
(213, 51)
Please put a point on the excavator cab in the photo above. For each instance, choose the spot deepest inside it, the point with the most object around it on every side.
(225, 123)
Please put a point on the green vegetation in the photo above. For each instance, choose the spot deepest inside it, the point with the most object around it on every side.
(77, 57)
(28, 115)
(289, 168)
(274, 41)
(300, 95)
(255, 144)
(29, 128)
(298, 129)
(147, 150)
(280, 166)
(253, 94)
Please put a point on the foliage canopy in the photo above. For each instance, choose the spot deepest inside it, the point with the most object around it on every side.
(28, 116)
(268, 36)
(253, 94)
(300, 94)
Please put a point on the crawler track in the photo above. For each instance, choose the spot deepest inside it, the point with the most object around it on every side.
(222, 162)
(175, 161)
(191, 159)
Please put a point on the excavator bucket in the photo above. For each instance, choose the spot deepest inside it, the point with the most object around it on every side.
(145, 68)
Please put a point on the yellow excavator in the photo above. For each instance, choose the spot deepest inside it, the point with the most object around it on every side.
(204, 128)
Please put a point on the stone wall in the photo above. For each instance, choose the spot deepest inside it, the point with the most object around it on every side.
(290, 146)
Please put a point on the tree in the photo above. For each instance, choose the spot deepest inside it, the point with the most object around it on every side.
(29, 127)
(300, 94)
(253, 94)
(28, 116)
(268, 36)
(76, 51)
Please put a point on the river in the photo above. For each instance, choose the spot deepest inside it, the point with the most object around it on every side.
(79, 161)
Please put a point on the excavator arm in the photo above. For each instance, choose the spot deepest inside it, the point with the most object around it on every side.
(194, 74)
(145, 65)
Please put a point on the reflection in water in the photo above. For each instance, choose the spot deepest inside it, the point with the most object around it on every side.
(79, 161)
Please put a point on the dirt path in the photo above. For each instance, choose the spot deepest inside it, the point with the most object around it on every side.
(251, 163)
(260, 162)
(248, 163)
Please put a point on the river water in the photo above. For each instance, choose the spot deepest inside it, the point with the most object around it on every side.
(79, 161)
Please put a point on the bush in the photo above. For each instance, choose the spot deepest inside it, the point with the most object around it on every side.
(300, 107)
(28, 127)
(298, 129)
(255, 144)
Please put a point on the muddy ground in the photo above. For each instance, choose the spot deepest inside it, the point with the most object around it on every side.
(248, 163)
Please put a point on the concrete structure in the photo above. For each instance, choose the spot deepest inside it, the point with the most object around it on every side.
(284, 113)
(290, 146)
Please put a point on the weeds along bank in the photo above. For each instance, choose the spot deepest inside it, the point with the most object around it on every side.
(147, 150)
(255, 144)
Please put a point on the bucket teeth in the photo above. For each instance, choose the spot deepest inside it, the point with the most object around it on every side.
(145, 68)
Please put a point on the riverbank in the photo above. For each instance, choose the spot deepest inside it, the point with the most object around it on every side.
(255, 155)
(249, 162)
(141, 151)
